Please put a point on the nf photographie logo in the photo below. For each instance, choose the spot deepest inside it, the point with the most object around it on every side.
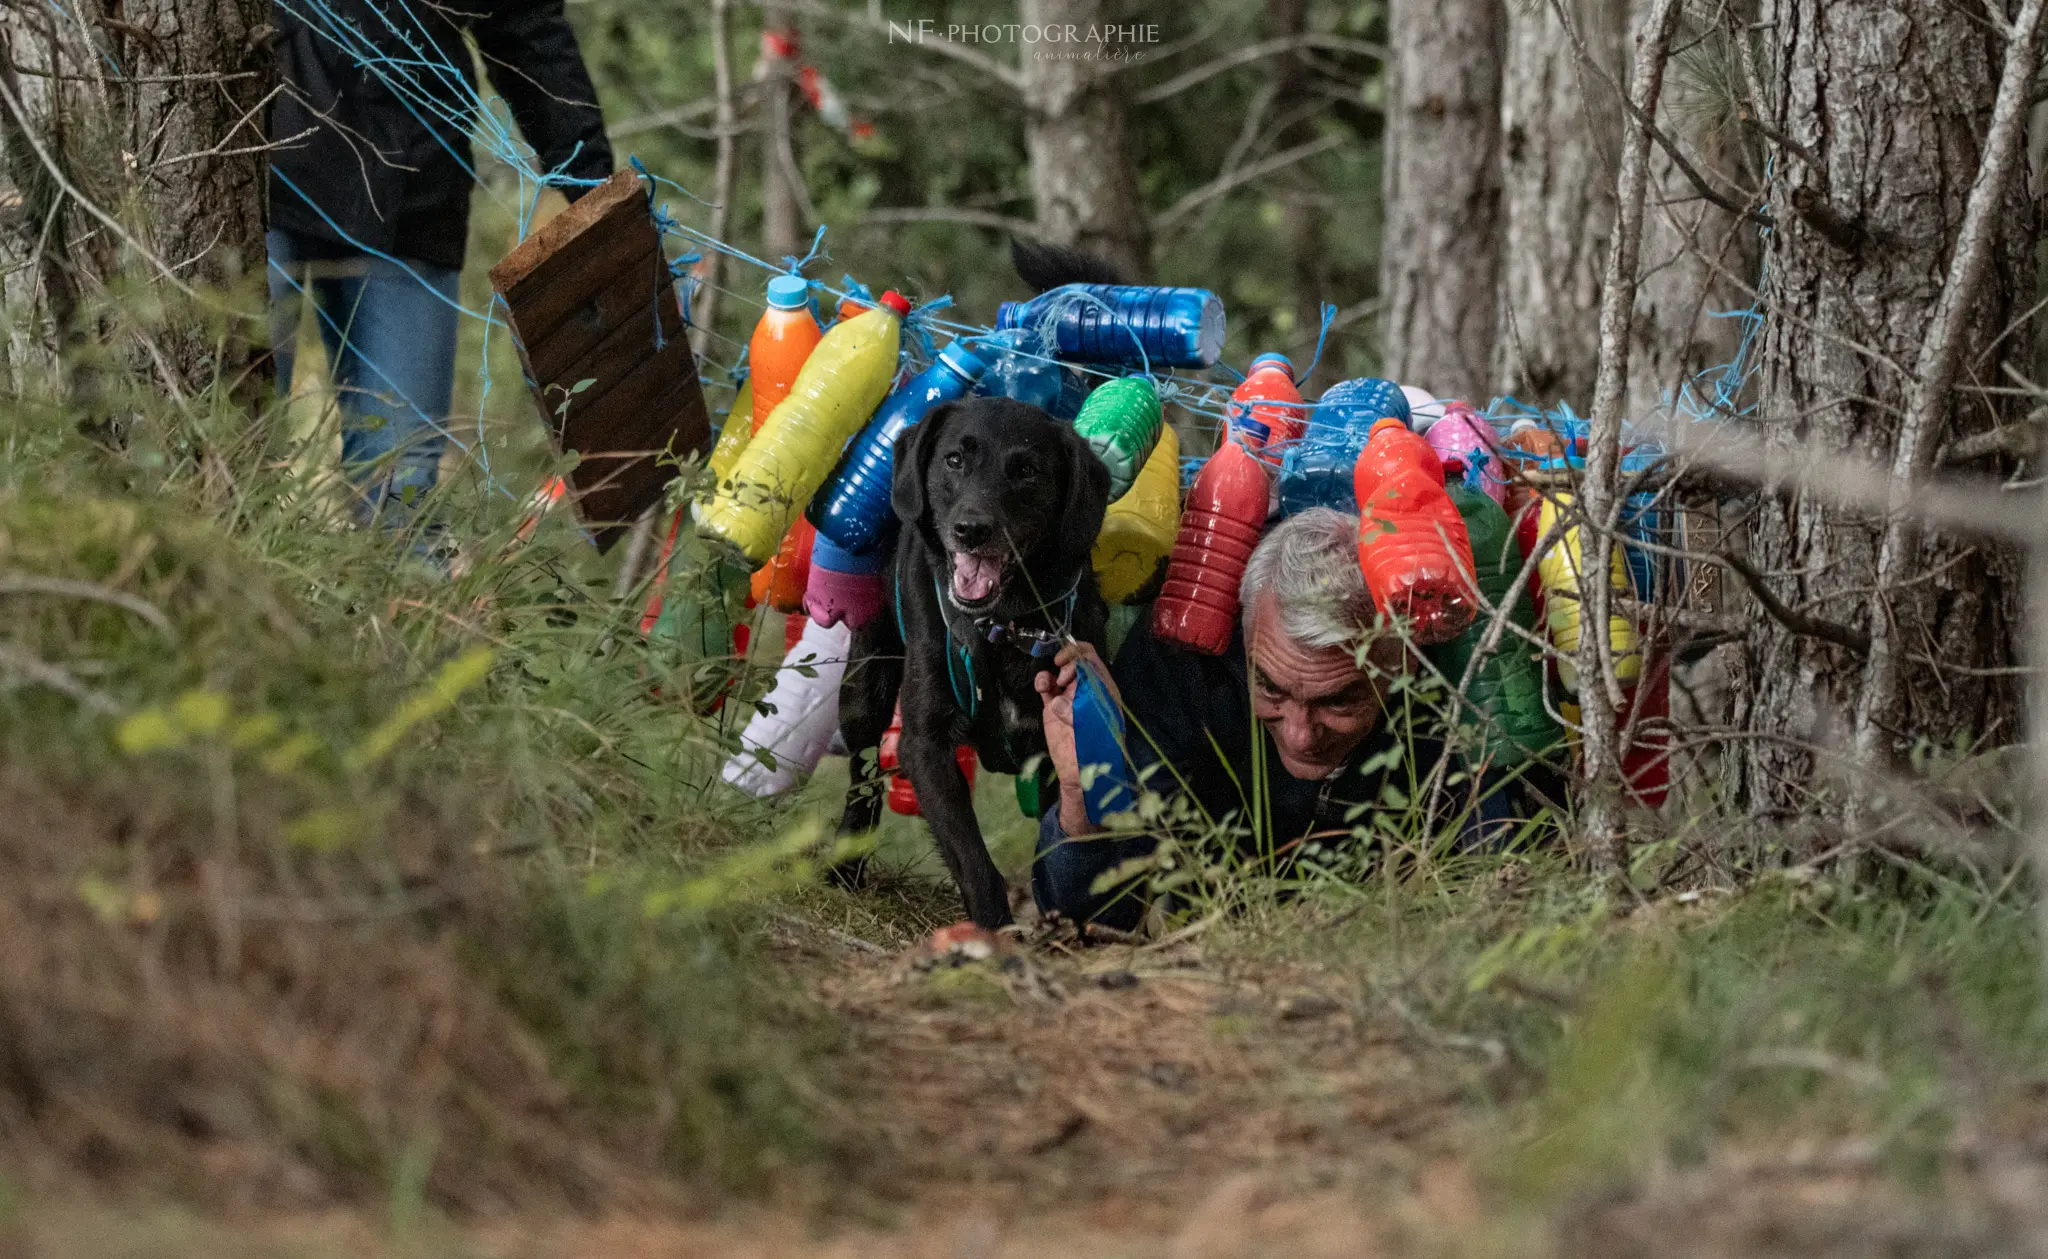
(1097, 40)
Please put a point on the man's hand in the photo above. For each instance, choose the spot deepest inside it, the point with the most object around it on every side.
(1056, 695)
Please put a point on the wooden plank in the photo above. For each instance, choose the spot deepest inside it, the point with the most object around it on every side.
(597, 415)
(634, 295)
(591, 299)
(605, 355)
(614, 247)
(540, 253)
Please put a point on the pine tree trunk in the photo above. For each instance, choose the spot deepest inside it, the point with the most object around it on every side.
(1440, 258)
(1889, 101)
(1560, 132)
(1084, 176)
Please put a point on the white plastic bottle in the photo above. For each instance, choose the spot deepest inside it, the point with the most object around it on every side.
(806, 715)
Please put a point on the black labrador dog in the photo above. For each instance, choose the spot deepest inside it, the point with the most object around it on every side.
(998, 505)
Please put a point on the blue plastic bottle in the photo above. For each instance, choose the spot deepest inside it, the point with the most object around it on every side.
(1108, 323)
(853, 508)
(1106, 783)
(1316, 471)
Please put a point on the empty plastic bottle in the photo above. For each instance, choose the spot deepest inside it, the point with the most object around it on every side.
(1266, 414)
(787, 736)
(783, 338)
(1123, 325)
(1424, 408)
(1139, 528)
(1121, 422)
(1219, 529)
(844, 588)
(1317, 470)
(1106, 783)
(790, 571)
(1646, 761)
(1562, 570)
(1466, 437)
(1411, 540)
(840, 386)
(902, 796)
(1020, 370)
(1507, 687)
(853, 508)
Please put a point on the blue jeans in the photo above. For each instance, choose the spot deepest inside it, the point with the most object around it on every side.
(390, 339)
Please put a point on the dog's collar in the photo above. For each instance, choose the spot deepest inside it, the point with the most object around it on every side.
(1039, 643)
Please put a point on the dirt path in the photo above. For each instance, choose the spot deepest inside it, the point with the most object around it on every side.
(1116, 1101)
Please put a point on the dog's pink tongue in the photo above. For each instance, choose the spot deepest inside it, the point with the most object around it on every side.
(974, 577)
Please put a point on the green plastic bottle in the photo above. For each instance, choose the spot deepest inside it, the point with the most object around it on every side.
(1121, 422)
(1508, 685)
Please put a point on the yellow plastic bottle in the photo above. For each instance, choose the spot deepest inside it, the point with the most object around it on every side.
(1560, 569)
(792, 453)
(732, 439)
(1138, 529)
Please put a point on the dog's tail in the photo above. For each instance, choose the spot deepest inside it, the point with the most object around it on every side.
(1049, 266)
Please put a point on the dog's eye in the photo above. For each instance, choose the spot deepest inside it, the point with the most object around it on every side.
(955, 460)
(1021, 468)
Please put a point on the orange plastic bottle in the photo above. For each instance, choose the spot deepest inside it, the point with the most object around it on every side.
(789, 573)
(1412, 542)
(1266, 414)
(1219, 528)
(902, 796)
(782, 340)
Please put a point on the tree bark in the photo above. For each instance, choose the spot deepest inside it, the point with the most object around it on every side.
(781, 223)
(1084, 174)
(1560, 132)
(1440, 256)
(1302, 219)
(1868, 199)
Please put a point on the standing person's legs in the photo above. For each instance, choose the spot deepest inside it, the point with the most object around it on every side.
(391, 333)
(287, 281)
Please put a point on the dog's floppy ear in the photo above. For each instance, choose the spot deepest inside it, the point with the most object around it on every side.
(1087, 499)
(912, 461)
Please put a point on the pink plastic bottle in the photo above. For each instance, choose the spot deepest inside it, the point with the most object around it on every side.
(1412, 542)
(1464, 437)
(1219, 528)
(1265, 413)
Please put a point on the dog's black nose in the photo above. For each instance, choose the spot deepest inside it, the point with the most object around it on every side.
(970, 535)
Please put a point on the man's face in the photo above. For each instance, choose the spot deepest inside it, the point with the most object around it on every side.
(1314, 700)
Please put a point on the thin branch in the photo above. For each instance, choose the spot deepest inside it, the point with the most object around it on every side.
(1254, 52)
(42, 672)
(1801, 623)
(65, 588)
(1237, 179)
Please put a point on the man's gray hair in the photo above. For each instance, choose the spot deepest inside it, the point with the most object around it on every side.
(1309, 563)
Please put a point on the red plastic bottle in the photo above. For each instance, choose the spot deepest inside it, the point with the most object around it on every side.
(902, 796)
(1646, 762)
(1411, 540)
(782, 340)
(1219, 528)
(789, 573)
(1265, 413)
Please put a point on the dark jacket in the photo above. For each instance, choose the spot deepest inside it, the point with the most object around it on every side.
(387, 163)
(1191, 715)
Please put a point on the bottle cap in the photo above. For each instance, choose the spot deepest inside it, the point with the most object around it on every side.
(897, 302)
(964, 361)
(1279, 360)
(1384, 422)
(789, 292)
